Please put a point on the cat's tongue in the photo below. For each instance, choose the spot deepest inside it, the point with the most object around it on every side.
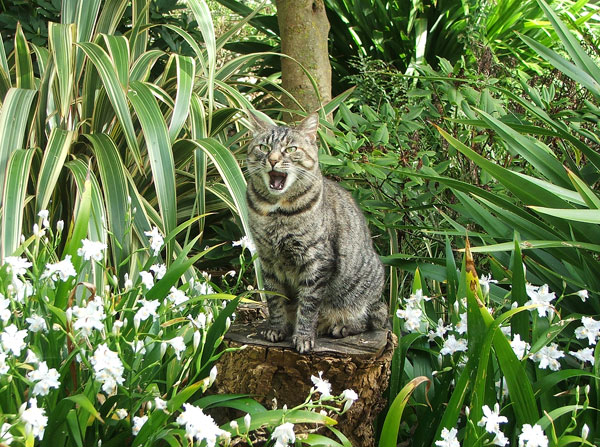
(277, 180)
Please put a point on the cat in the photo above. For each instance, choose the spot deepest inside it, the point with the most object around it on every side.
(312, 240)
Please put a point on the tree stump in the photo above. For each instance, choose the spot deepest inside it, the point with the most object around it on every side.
(276, 373)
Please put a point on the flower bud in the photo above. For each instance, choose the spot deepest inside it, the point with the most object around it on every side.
(247, 420)
(585, 431)
(234, 425)
(60, 225)
(196, 339)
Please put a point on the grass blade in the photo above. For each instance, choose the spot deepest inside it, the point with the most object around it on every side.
(23, 64)
(13, 123)
(15, 188)
(52, 164)
(62, 38)
(159, 152)
(588, 216)
(115, 92)
(391, 424)
(186, 71)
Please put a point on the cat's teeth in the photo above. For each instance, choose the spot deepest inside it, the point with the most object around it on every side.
(277, 180)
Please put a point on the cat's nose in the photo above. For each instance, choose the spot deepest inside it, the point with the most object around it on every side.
(274, 159)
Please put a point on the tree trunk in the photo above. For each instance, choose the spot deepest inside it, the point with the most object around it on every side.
(274, 373)
(304, 29)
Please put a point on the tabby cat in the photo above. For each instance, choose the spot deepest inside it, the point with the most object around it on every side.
(312, 241)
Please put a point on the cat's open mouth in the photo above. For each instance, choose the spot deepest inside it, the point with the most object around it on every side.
(277, 180)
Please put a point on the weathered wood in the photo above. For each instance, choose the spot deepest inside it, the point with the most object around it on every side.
(275, 374)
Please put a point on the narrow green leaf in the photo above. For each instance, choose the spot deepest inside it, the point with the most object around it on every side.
(84, 402)
(586, 193)
(52, 164)
(140, 71)
(23, 64)
(114, 185)
(115, 92)
(186, 71)
(13, 123)
(391, 424)
(111, 15)
(530, 244)
(73, 425)
(159, 152)
(87, 13)
(588, 216)
(62, 38)
(520, 323)
(15, 188)
(118, 49)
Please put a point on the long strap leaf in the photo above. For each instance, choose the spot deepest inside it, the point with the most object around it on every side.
(52, 164)
(15, 188)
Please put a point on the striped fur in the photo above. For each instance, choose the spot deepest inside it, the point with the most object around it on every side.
(312, 240)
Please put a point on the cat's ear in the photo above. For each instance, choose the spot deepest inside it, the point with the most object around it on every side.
(259, 122)
(309, 126)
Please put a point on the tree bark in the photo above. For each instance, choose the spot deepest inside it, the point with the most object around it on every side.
(276, 373)
(304, 30)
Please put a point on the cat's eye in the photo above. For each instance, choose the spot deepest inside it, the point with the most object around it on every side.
(262, 147)
(291, 149)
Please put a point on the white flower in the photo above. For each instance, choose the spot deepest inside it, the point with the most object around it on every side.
(147, 310)
(204, 288)
(61, 270)
(31, 358)
(108, 368)
(212, 375)
(127, 283)
(492, 419)
(17, 265)
(590, 329)
(89, 317)
(412, 318)
(485, 282)
(199, 322)
(5, 437)
(321, 385)
(448, 438)
(36, 323)
(532, 436)
(138, 422)
(548, 357)
(159, 270)
(349, 397)
(156, 240)
(178, 345)
(584, 355)
(284, 435)
(452, 345)
(585, 431)
(247, 421)
(583, 294)
(91, 250)
(13, 339)
(5, 312)
(541, 297)
(3, 365)
(43, 214)
(45, 378)
(121, 413)
(440, 331)
(246, 243)
(34, 418)
(199, 425)
(60, 225)
(160, 404)
(461, 326)
(147, 279)
(23, 289)
(500, 439)
(138, 347)
(177, 296)
(520, 347)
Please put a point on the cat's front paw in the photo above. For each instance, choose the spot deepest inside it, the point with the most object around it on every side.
(275, 335)
(303, 343)
(340, 331)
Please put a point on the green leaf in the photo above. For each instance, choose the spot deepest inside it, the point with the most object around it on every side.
(589, 197)
(520, 323)
(23, 64)
(84, 402)
(159, 152)
(118, 50)
(52, 164)
(186, 71)
(588, 216)
(13, 124)
(391, 424)
(115, 91)
(14, 200)
(62, 38)
(115, 189)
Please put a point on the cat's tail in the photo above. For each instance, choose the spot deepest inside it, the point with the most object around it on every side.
(379, 316)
